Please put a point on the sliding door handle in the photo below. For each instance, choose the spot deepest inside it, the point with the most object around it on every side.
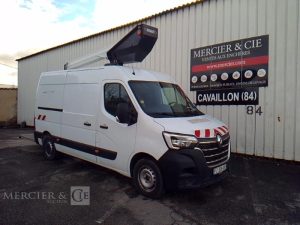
(103, 126)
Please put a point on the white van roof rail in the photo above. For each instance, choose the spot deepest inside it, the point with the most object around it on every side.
(134, 47)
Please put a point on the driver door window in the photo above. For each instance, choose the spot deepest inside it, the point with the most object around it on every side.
(114, 95)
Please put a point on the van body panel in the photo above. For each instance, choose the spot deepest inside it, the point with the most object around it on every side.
(54, 77)
(120, 140)
(50, 96)
(188, 125)
(80, 113)
(84, 76)
(49, 103)
(148, 131)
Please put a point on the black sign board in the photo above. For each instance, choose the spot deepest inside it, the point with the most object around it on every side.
(242, 96)
(236, 64)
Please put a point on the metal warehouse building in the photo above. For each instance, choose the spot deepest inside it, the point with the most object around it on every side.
(269, 128)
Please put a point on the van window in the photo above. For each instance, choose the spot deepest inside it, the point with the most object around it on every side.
(170, 94)
(114, 94)
(159, 99)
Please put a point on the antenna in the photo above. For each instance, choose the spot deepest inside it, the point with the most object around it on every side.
(133, 73)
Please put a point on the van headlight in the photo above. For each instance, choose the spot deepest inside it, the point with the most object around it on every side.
(179, 141)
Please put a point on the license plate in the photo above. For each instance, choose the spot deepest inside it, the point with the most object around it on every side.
(219, 169)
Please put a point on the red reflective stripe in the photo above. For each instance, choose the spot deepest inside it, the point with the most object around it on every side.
(218, 131)
(260, 60)
(222, 129)
(44, 117)
(226, 128)
(197, 133)
(39, 117)
(207, 132)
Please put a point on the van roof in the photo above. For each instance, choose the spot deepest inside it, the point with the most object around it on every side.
(124, 73)
(146, 75)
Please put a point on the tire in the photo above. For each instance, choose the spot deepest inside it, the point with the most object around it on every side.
(148, 178)
(49, 149)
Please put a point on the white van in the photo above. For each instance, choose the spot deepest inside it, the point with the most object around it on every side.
(136, 122)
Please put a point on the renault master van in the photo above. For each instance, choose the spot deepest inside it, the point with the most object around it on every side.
(137, 122)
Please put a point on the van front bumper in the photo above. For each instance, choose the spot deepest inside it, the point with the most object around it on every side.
(187, 168)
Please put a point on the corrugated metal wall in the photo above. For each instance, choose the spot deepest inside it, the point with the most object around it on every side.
(274, 133)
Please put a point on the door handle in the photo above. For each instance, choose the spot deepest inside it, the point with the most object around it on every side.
(87, 124)
(103, 126)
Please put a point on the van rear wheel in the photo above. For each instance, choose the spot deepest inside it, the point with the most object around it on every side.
(148, 178)
(50, 152)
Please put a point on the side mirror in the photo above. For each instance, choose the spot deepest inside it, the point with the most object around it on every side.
(124, 114)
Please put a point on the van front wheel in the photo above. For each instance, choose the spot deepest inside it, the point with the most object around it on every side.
(148, 178)
(49, 147)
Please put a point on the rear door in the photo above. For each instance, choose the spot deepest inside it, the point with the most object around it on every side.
(114, 140)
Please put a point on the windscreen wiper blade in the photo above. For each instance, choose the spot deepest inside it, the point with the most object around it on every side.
(163, 114)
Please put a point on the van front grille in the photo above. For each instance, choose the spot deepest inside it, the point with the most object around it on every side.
(214, 153)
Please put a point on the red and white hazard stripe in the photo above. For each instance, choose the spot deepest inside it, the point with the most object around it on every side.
(221, 130)
(41, 117)
(209, 133)
(205, 133)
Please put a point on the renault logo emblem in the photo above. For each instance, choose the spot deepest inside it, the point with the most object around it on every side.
(219, 140)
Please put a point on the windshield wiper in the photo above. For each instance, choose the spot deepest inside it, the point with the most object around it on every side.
(162, 114)
(192, 109)
(194, 113)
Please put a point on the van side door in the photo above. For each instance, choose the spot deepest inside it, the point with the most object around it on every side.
(115, 139)
(79, 120)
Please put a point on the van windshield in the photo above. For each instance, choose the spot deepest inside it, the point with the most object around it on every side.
(159, 99)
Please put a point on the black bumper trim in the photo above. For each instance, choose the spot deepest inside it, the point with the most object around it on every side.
(184, 169)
